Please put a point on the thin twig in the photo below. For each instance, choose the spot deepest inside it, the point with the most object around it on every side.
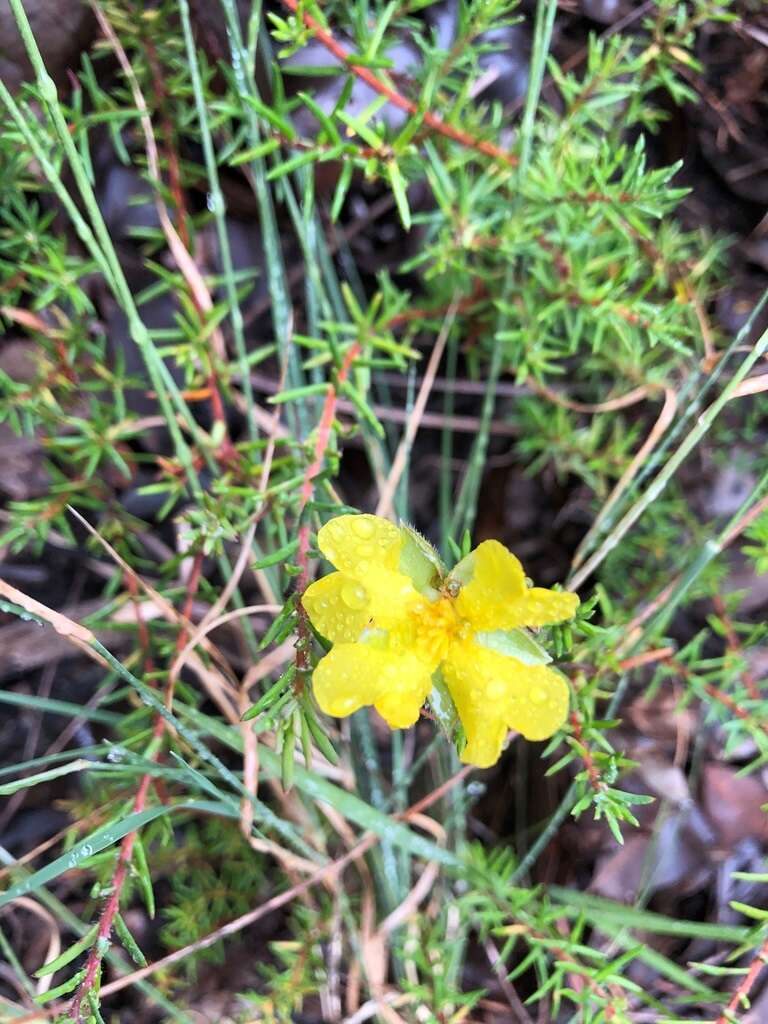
(658, 430)
(741, 994)
(307, 490)
(386, 498)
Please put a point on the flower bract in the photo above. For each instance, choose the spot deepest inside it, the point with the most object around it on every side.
(395, 619)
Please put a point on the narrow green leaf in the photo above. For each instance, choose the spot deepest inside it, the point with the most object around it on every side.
(399, 192)
(143, 874)
(69, 954)
(128, 941)
(100, 840)
(276, 556)
(61, 990)
(53, 773)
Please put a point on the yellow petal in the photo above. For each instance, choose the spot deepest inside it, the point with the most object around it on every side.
(493, 692)
(495, 595)
(494, 580)
(354, 675)
(406, 685)
(542, 607)
(392, 595)
(339, 607)
(347, 678)
(357, 543)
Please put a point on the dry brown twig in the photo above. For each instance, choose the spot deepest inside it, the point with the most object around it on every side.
(384, 506)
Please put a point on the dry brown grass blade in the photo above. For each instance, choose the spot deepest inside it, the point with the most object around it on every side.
(384, 506)
(72, 631)
(657, 432)
(610, 405)
(219, 687)
(54, 935)
(208, 627)
(751, 386)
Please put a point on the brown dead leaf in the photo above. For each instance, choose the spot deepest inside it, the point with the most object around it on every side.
(733, 803)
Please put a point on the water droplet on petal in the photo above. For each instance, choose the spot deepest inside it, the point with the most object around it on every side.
(363, 527)
(354, 595)
(496, 689)
(538, 696)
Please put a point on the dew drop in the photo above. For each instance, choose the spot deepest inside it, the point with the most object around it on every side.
(363, 527)
(354, 595)
(538, 696)
(496, 689)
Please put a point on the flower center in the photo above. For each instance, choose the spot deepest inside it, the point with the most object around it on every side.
(436, 625)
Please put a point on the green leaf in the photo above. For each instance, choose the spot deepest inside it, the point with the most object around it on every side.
(318, 735)
(419, 560)
(756, 913)
(143, 874)
(272, 695)
(287, 755)
(69, 954)
(515, 643)
(276, 556)
(398, 186)
(128, 941)
(53, 773)
(442, 706)
(292, 394)
(61, 990)
(100, 840)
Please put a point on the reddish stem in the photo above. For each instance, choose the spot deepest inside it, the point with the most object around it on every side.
(112, 906)
(722, 698)
(734, 644)
(434, 122)
(307, 489)
(745, 986)
(593, 773)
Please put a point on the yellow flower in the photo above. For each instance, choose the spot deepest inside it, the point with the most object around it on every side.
(394, 618)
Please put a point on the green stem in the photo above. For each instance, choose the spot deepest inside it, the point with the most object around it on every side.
(100, 246)
(466, 504)
(276, 278)
(219, 213)
(542, 37)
